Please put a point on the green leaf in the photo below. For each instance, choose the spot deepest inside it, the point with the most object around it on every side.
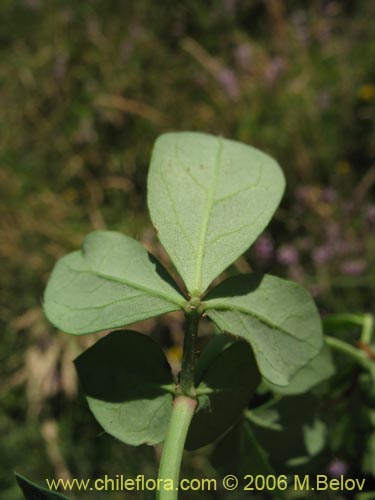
(316, 371)
(127, 381)
(32, 491)
(111, 283)
(289, 429)
(238, 452)
(278, 318)
(209, 199)
(226, 383)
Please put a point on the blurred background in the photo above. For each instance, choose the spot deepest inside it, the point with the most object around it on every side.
(86, 87)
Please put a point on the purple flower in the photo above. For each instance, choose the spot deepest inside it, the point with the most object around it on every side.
(287, 255)
(353, 267)
(274, 69)
(322, 254)
(242, 55)
(228, 80)
(264, 247)
(337, 468)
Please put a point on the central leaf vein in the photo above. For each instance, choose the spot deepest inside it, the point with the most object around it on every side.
(130, 284)
(217, 306)
(206, 217)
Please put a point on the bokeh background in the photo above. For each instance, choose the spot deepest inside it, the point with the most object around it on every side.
(86, 87)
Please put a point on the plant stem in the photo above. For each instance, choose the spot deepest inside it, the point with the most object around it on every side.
(344, 347)
(367, 328)
(188, 360)
(169, 469)
(183, 410)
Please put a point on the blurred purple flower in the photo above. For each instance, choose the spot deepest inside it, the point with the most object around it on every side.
(353, 267)
(274, 69)
(229, 82)
(303, 193)
(287, 255)
(337, 468)
(264, 247)
(322, 254)
(242, 55)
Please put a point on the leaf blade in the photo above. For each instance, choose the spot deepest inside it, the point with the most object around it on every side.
(206, 192)
(290, 429)
(32, 491)
(89, 290)
(124, 376)
(320, 368)
(277, 317)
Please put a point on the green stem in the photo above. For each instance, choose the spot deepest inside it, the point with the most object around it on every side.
(367, 328)
(344, 347)
(189, 355)
(170, 464)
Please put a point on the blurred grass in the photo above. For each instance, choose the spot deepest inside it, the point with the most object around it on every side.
(86, 87)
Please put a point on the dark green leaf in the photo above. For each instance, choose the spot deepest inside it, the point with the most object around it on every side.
(209, 199)
(278, 318)
(289, 429)
(316, 371)
(32, 491)
(227, 380)
(111, 283)
(239, 453)
(127, 381)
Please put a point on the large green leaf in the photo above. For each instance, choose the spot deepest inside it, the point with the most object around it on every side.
(32, 491)
(209, 199)
(238, 452)
(127, 381)
(111, 283)
(289, 429)
(316, 371)
(227, 378)
(278, 318)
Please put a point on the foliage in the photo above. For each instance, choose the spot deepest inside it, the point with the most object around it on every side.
(125, 376)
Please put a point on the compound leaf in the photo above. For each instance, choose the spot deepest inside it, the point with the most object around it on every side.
(127, 381)
(111, 283)
(226, 381)
(32, 491)
(209, 199)
(278, 318)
